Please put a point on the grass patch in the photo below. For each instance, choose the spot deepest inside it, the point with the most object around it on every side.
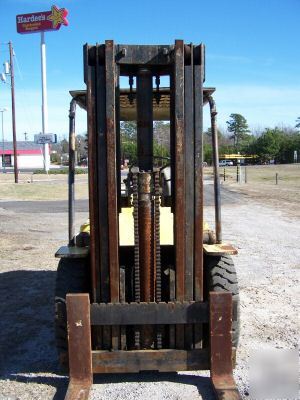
(55, 190)
(78, 171)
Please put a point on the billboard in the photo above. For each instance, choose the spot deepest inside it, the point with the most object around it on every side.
(43, 138)
(42, 21)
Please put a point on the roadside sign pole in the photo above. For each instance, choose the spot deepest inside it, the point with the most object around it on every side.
(42, 21)
(44, 101)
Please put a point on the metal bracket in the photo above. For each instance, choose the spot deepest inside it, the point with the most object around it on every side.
(219, 249)
(72, 252)
(221, 347)
(80, 347)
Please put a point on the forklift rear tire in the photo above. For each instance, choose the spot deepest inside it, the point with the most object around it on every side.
(72, 277)
(220, 275)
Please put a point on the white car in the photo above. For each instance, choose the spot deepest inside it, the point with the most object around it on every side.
(225, 163)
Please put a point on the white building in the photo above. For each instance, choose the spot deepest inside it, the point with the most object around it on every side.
(29, 155)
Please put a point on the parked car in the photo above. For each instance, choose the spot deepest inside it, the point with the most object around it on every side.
(225, 163)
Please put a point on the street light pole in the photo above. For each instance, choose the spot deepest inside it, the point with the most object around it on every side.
(13, 110)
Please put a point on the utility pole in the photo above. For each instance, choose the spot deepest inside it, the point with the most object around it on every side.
(3, 144)
(13, 109)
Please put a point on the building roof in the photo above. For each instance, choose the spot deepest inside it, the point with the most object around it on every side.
(23, 147)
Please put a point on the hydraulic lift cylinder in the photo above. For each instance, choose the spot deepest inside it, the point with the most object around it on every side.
(145, 239)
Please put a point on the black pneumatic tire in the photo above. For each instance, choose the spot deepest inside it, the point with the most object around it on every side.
(72, 277)
(220, 275)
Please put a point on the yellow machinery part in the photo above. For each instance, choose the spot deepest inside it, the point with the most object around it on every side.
(126, 231)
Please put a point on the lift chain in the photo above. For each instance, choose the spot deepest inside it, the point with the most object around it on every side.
(157, 250)
(137, 289)
(157, 235)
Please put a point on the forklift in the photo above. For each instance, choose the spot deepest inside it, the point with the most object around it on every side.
(146, 285)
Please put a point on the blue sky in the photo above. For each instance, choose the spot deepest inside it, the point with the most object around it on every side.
(252, 54)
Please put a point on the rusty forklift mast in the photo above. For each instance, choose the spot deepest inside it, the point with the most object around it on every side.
(146, 305)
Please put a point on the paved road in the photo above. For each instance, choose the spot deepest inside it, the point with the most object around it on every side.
(61, 206)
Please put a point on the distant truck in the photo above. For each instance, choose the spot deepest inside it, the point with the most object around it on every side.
(225, 163)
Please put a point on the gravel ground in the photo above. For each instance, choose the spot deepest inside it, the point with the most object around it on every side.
(268, 269)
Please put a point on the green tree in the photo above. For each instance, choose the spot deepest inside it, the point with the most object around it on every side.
(161, 133)
(238, 127)
(128, 141)
(297, 123)
(128, 129)
(207, 153)
(268, 145)
(290, 142)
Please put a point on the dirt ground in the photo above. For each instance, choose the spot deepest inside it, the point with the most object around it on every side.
(260, 222)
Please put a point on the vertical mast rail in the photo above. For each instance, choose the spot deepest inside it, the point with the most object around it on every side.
(189, 174)
(113, 226)
(93, 176)
(179, 192)
(189, 183)
(112, 190)
(198, 221)
(102, 239)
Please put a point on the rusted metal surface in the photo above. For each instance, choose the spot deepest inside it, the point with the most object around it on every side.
(198, 221)
(123, 342)
(157, 253)
(93, 176)
(179, 166)
(158, 271)
(189, 175)
(112, 192)
(221, 346)
(80, 350)
(151, 321)
(136, 283)
(149, 313)
(149, 360)
(189, 186)
(172, 294)
(217, 186)
(219, 249)
(199, 203)
(100, 149)
(144, 54)
(145, 251)
(78, 391)
(179, 223)
(145, 237)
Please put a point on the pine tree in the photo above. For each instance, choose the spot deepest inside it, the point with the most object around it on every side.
(237, 125)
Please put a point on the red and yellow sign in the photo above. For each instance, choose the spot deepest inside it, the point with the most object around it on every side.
(42, 21)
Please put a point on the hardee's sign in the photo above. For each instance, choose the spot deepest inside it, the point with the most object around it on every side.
(42, 21)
